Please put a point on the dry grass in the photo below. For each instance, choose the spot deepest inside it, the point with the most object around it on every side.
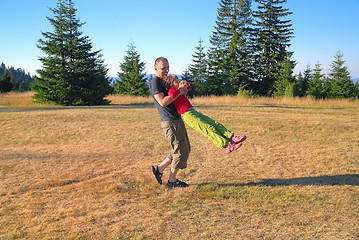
(83, 172)
(119, 99)
(275, 101)
(15, 99)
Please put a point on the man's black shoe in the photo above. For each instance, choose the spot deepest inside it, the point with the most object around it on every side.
(157, 174)
(176, 184)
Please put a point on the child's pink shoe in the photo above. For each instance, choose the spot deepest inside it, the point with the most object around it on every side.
(238, 139)
(232, 147)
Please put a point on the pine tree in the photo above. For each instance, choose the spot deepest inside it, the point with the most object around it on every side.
(71, 74)
(2, 68)
(186, 75)
(304, 84)
(229, 57)
(315, 84)
(5, 82)
(270, 42)
(198, 70)
(132, 80)
(297, 85)
(357, 90)
(340, 83)
(285, 79)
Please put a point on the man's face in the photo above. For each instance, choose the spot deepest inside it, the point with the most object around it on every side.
(162, 68)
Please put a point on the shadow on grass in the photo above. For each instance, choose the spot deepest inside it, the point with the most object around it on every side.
(349, 179)
(142, 105)
(52, 108)
(267, 106)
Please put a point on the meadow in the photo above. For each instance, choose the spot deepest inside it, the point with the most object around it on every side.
(84, 172)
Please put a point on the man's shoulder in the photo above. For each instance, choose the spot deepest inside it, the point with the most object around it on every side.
(157, 85)
(156, 82)
(155, 78)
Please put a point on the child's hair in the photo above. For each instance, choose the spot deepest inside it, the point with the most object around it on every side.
(168, 80)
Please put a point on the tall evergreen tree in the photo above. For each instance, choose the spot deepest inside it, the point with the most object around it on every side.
(304, 84)
(315, 84)
(357, 89)
(71, 74)
(2, 68)
(5, 83)
(285, 79)
(340, 83)
(297, 85)
(198, 70)
(132, 80)
(229, 57)
(271, 39)
(188, 77)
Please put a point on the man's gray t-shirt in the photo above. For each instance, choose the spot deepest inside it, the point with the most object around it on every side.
(168, 113)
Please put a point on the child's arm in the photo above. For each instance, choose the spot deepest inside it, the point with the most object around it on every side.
(173, 94)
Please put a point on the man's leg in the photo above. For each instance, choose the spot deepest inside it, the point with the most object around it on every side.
(164, 164)
(176, 133)
(173, 182)
(173, 175)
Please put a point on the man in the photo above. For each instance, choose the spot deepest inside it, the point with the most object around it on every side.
(173, 127)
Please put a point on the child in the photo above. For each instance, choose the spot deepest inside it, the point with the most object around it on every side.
(203, 124)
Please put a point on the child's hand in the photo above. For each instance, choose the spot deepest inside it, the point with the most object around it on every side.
(186, 84)
(183, 89)
(183, 83)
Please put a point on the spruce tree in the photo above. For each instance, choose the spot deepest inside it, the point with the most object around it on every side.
(132, 80)
(5, 82)
(271, 37)
(340, 83)
(198, 70)
(229, 58)
(304, 84)
(285, 79)
(315, 84)
(186, 75)
(2, 68)
(297, 85)
(357, 89)
(71, 74)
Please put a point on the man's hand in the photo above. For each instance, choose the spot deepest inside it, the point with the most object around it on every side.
(183, 89)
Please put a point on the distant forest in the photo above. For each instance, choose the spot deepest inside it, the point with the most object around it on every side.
(12, 79)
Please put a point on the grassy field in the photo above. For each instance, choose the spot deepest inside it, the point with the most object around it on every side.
(84, 172)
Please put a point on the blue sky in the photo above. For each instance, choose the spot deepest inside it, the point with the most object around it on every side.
(172, 28)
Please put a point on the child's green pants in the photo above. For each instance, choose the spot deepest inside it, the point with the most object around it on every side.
(211, 129)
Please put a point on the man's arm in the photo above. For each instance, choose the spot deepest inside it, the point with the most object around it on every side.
(164, 101)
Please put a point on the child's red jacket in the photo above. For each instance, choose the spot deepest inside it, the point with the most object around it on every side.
(182, 104)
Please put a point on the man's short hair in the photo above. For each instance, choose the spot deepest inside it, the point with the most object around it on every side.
(159, 59)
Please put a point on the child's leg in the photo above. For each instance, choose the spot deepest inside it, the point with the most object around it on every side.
(219, 127)
(198, 122)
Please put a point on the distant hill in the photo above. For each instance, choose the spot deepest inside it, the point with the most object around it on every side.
(149, 76)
